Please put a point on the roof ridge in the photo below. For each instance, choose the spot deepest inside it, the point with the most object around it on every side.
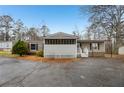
(60, 35)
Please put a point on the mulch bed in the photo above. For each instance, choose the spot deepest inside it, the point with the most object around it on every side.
(41, 59)
(121, 57)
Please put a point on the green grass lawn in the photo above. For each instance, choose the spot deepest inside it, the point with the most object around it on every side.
(7, 54)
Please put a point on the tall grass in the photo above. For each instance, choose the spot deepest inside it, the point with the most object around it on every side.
(7, 54)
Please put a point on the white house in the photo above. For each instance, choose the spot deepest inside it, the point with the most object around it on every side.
(60, 45)
(63, 45)
(6, 45)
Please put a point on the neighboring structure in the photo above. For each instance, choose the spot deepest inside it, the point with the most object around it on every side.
(6, 46)
(121, 50)
(60, 45)
(95, 47)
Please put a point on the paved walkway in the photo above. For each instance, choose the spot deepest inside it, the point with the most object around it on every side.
(89, 72)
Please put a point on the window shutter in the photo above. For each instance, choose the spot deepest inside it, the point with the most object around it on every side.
(90, 46)
(98, 46)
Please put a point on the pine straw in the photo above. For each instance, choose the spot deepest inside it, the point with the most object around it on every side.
(121, 57)
(41, 59)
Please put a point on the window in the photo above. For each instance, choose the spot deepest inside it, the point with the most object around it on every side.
(71, 41)
(34, 46)
(60, 41)
(46, 41)
(96, 46)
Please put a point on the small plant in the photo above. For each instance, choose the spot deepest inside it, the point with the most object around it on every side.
(20, 48)
(40, 53)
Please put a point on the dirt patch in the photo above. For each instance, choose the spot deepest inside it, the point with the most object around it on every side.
(113, 56)
(41, 59)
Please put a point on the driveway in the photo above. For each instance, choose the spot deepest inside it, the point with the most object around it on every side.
(88, 72)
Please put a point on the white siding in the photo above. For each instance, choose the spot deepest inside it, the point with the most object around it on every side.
(7, 46)
(60, 51)
(121, 51)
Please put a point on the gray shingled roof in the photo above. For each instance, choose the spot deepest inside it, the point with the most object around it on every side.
(60, 35)
(90, 41)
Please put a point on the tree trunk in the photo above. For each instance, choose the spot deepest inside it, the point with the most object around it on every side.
(117, 43)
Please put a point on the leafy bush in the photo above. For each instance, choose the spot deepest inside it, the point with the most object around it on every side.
(20, 48)
(40, 53)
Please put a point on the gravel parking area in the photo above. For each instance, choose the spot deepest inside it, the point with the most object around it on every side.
(87, 72)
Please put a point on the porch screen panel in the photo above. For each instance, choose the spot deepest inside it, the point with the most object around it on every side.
(60, 41)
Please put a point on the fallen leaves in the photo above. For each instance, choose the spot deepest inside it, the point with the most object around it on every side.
(42, 59)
